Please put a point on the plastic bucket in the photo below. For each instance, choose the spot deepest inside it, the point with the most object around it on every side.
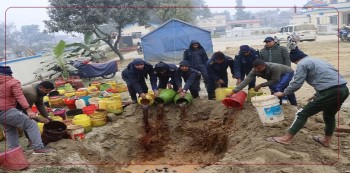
(252, 93)
(89, 109)
(269, 108)
(70, 103)
(73, 112)
(76, 132)
(166, 96)
(187, 99)
(115, 106)
(13, 159)
(61, 112)
(99, 118)
(102, 104)
(148, 101)
(83, 120)
(53, 131)
(220, 94)
(41, 127)
(236, 100)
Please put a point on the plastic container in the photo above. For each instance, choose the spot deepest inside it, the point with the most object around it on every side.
(187, 99)
(148, 101)
(76, 132)
(73, 112)
(81, 92)
(115, 105)
(166, 96)
(70, 103)
(121, 87)
(220, 94)
(56, 101)
(57, 118)
(89, 109)
(102, 103)
(269, 108)
(53, 131)
(236, 100)
(61, 112)
(96, 84)
(252, 93)
(61, 91)
(13, 159)
(94, 101)
(84, 120)
(104, 86)
(93, 91)
(98, 118)
(41, 127)
(80, 103)
(69, 94)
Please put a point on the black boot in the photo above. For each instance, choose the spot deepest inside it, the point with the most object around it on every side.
(211, 96)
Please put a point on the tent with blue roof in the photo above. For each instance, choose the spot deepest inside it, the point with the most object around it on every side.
(171, 39)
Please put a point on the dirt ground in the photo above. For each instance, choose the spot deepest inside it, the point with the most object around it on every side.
(209, 138)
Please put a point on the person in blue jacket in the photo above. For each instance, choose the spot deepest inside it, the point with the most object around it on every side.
(217, 70)
(243, 64)
(190, 76)
(135, 74)
(166, 75)
(198, 58)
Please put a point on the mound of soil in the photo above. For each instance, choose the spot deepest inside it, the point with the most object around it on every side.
(208, 134)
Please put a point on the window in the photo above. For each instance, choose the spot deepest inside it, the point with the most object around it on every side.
(333, 20)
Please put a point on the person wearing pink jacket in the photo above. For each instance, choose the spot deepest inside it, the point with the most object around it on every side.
(12, 118)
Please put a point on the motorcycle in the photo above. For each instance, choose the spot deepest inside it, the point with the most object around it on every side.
(343, 33)
(86, 69)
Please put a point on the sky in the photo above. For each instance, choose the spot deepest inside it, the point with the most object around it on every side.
(27, 12)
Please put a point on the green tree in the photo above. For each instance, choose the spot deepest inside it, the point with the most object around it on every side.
(83, 16)
(31, 34)
(182, 10)
(240, 13)
(12, 39)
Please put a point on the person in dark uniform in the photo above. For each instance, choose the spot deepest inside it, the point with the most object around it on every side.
(217, 70)
(243, 64)
(135, 74)
(198, 58)
(190, 76)
(166, 75)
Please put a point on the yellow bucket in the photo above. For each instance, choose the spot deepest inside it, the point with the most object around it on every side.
(84, 120)
(57, 118)
(99, 118)
(115, 106)
(61, 91)
(220, 94)
(69, 94)
(102, 104)
(81, 93)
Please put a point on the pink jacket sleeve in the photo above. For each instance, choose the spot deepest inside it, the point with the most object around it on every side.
(18, 93)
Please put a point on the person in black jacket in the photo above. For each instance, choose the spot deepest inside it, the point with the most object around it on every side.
(244, 64)
(191, 77)
(198, 58)
(166, 75)
(135, 74)
(217, 70)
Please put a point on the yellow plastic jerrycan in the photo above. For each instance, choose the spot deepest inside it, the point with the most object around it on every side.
(252, 93)
(84, 120)
(148, 101)
(229, 89)
(115, 105)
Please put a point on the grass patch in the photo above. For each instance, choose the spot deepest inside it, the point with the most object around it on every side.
(59, 170)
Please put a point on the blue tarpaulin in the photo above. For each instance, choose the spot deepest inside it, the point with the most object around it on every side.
(170, 40)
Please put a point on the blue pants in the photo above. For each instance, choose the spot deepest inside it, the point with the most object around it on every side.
(204, 73)
(131, 89)
(163, 82)
(212, 84)
(283, 84)
(194, 88)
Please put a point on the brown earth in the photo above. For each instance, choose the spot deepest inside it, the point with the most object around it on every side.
(209, 138)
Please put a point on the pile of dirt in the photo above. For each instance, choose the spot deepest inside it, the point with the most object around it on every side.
(209, 134)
